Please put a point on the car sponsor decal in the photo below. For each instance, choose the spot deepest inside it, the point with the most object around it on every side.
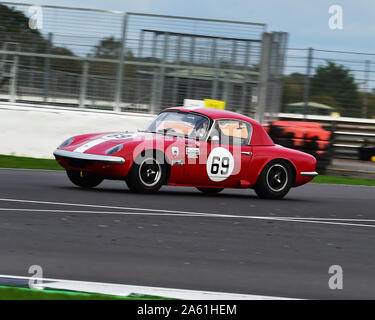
(175, 151)
(220, 164)
(108, 137)
(177, 162)
(192, 153)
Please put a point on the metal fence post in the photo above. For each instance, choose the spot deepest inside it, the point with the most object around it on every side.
(277, 66)
(140, 44)
(154, 86)
(176, 79)
(246, 78)
(83, 89)
(13, 80)
(365, 98)
(138, 94)
(283, 38)
(191, 60)
(162, 71)
(264, 76)
(47, 67)
(215, 65)
(306, 93)
(120, 71)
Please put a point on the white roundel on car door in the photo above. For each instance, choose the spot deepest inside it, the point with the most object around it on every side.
(220, 164)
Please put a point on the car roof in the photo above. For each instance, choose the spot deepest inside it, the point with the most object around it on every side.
(259, 136)
(213, 113)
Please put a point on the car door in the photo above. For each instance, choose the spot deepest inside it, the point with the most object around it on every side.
(223, 159)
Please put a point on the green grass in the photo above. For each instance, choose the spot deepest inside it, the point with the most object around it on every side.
(14, 293)
(343, 180)
(28, 163)
(34, 163)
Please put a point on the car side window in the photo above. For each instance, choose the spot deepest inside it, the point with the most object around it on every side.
(232, 132)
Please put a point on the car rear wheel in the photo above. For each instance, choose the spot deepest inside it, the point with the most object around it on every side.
(84, 179)
(210, 190)
(147, 174)
(275, 180)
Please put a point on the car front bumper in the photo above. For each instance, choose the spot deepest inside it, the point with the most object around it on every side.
(88, 156)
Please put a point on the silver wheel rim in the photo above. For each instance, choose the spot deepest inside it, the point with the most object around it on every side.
(277, 177)
(149, 172)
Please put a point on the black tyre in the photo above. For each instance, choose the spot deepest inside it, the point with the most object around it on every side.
(147, 174)
(84, 179)
(275, 180)
(210, 190)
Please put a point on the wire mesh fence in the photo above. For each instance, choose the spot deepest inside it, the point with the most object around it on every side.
(326, 82)
(133, 61)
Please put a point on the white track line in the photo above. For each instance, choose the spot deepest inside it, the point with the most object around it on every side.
(170, 211)
(125, 290)
(207, 215)
(102, 212)
(100, 206)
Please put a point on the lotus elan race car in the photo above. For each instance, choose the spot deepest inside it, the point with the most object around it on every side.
(206, 148)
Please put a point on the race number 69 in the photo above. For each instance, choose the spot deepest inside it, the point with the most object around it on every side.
(220, 164)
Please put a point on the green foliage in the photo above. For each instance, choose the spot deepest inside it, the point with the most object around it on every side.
(28, 163)
(336, 81)
(15, 293)
(331, 84)
(293, 87)
(327, 100)
(110, 48)
(14, 29)
(344, 180)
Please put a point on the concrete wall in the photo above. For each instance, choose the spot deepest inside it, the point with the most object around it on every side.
(35, 131)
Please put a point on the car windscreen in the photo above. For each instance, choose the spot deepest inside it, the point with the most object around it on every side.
(184, 124)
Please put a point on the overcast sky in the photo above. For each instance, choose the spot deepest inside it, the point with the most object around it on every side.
(305, 20)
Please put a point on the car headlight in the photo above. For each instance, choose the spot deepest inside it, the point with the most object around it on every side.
(66, 143)
(114, 149)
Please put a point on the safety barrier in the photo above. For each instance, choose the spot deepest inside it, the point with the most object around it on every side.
(309, 137)
(350, 134)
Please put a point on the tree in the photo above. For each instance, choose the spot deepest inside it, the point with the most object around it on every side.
(14, 27)
(336, 81)
(293, 88)
(67, 65)
(110, 48)
(15, 35)
(327, 100)
(15, 30)
(371, 104)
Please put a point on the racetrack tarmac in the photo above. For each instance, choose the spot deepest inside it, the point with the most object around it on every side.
(180, 238)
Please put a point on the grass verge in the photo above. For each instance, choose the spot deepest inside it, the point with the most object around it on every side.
(28, 163)
(343, 180)
(50, 164)
(15, 293)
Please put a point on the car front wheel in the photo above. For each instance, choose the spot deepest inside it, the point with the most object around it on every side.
(84, 179)
(275, 180)
(147, 174)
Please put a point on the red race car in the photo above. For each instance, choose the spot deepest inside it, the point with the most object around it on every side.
(206, 148)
